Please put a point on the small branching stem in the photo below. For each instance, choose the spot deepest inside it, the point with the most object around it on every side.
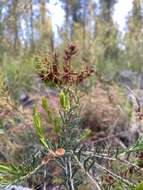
(70, 181)
(115, 176)
(27, 175)
(106, 157)
(92, 180)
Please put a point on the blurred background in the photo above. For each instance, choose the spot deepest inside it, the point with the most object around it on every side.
(108, 33)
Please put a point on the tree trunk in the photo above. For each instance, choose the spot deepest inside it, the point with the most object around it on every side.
(14, 27)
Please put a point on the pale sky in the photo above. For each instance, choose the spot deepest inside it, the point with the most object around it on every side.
(122, 8)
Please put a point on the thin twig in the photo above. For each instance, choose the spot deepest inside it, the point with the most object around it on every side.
(93, 181)
(27, 175)
(106, 157)
(115, 176)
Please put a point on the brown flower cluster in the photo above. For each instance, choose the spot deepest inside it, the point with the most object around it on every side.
(49, 70)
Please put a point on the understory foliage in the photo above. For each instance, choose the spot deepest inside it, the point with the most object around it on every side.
(78, 162)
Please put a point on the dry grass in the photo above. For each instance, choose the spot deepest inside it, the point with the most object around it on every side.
(102, 110)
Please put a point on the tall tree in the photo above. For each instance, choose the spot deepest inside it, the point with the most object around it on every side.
(134, 36)
(45, 25)
(43, 17)
(106, 7)
(11, 27)
(1, 25)
(106, 37)
(135, 21)
(14, 26)
(31, 24)
(73, 14)
(106, 29)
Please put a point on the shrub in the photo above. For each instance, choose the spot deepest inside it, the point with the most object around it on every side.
(77, 161)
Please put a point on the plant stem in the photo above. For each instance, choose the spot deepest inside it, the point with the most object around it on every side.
(93, 181)
(70, 181)
(27, 175)
(106, 157)
(115, 176)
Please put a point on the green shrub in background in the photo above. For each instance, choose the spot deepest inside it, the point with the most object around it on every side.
(17, 73)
